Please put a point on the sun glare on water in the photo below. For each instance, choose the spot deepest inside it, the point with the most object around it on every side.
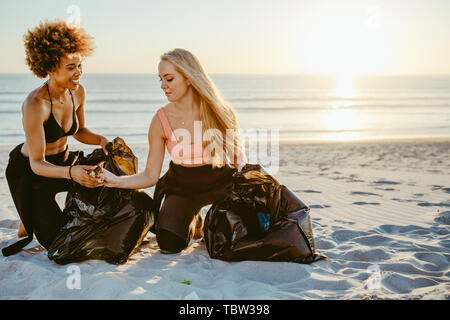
(344, 86)
(342, 121)
(347, 44)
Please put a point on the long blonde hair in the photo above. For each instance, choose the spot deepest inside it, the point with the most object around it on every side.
(215, 112)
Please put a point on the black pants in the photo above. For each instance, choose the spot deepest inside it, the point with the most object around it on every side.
(178, 214)
(34, 197)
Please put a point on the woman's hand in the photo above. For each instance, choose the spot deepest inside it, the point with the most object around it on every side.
(103, 143)
(80, 174)
(109, 179)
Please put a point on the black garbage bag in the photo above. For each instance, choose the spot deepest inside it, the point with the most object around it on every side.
(259, 220)
(104, 223)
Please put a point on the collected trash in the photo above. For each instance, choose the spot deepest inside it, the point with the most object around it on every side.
(104, 223)
(259, 220)
(97, 169)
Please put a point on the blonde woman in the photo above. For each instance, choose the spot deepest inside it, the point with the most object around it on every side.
(200, 131)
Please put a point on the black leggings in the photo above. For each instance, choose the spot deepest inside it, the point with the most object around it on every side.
(178, 214)
(34, 196)
(170, 242)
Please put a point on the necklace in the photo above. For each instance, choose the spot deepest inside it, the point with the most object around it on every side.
(61, 99)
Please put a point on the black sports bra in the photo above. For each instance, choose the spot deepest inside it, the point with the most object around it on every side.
(52, 129)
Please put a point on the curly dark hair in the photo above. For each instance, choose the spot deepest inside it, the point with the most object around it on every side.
(46, 44)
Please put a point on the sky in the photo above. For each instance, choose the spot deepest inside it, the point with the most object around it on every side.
(346, 37)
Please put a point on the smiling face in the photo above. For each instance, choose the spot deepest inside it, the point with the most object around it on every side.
(173, 83)
(68, 73)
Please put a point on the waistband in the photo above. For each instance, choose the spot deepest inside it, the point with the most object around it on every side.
(56, 159)
(199, 177)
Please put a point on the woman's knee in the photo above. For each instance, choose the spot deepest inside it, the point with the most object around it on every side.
(170, 242)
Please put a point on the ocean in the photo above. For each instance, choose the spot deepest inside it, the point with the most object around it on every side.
(296, 108)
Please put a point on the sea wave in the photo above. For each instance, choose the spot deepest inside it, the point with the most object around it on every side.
(147, 109)
(262, 99)
(338, 98)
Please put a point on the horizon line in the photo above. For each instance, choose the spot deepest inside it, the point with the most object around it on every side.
(262, 74)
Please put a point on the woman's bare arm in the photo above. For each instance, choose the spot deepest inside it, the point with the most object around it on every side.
(34, 115)
(149, 177)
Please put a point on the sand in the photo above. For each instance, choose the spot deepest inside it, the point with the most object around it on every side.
(380, 211)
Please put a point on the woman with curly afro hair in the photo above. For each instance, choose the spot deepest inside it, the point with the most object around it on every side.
(42, 166)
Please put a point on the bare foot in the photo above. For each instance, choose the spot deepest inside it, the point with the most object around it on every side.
(198, 228)
(21, 232)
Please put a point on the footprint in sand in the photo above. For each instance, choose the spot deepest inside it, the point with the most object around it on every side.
(429, 204)
(354, 180)
(408, 230)
(345, 235)
(364, 193)
(443, 217)
(398, 283)
(373, 239)
(362, 203)
(444, 243)
(337, 178)
(385, 182)
(325, 244)
(391, 229)
(402, 200)
(435, 187)
(387, 189)
(319, 206)
(309, 191)
(437, 260)
(375, 254)
(344, 222)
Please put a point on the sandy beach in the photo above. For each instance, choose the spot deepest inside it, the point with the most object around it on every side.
(380, 211)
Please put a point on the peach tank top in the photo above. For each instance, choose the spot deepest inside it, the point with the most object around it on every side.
(181, 153)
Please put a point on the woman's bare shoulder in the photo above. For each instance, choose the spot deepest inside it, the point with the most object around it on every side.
(166, 108)
(79, 93)
(36, 102)
(156, 128)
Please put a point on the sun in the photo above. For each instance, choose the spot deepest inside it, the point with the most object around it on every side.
(344, 86)
(339, 44)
